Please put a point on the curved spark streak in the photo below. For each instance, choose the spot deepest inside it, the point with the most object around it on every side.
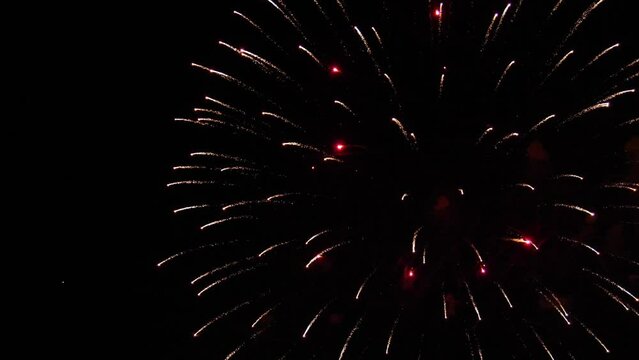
(581, 244)
(323, 252)
(222, 221)
(548, 118)
(226, 278)
(185, 252)
(311, 55)
(620, 187)
(330, 158)
(243, 203)
(594, 337)
(219, 156)
(501, 78)
(361, 288)
(571, 176)
(344, 106)
(501, 19)
(323, 232)
(190, 182)
(612, 283)
(574, 207)
(477, 253)
(554, 9)
(484, 134)
(221, 316)
(616, 95)
(405, 196)
(563, 59)
(581, 19)
(243, 344)
(472, 300)
(193, 207)
(262, 316)
(273, 247)
(350, 336)
(190, 167)
(379, 38)
(402, 129)
(596, 58)
(613, 296)
(543, 344)
(282, 118)
(527, 186)
(415, 236)
(505, 295)
(319, 313)
(218, 269)
(506, 138)
(390, 336)
(489, 31)
(258, 28)
(302, 146)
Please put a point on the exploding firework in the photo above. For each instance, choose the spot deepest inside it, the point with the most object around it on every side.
(427, 180)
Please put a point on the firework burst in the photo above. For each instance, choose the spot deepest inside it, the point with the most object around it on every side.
(433, 180)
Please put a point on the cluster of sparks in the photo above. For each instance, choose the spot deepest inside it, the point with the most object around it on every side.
(326, 243)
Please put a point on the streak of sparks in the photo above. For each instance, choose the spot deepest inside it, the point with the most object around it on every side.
(302, 146)
(273, 247)
(222, 221)
(557, 65)
(543, 344)
(361, 288)
(402, 129)
(311, 55)
(576, 208)
(616, 95)
(612, 283)
(545, 120)
(506, 138)
(344, 106)
(190, 167)
(193, 207)
(226, 278)
(581, 19)
(262, 316)
(579, 243)
(484, 134)
(472, 301)
(594, 337)
(218, 269)
(350, 336)
(501, 78)
(596, 58)
(390, 336)
(477, 253)
(324, 232)
(445, 306)
(613, 296)
(319, 313)
(501, 19)
(323, 252)
(505, 295)
(489, 32)
(415, 236)
(219, 317)
(570, 176)
(281, 118)
(527, 186)
(190, 182)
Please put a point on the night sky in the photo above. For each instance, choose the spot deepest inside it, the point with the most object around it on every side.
(107, 141)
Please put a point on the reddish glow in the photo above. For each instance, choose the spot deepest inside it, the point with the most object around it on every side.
(438, 13)
(527, 242)
(339, 146)
(335, 70)
(483, 270)
(411, 273)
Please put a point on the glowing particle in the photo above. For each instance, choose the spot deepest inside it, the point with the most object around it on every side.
(319, 313)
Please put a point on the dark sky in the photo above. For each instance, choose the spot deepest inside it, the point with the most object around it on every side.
(109, 82)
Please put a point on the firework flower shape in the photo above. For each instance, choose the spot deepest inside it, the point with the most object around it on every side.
(412, 180)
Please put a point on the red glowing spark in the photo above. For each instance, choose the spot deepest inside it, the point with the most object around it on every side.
(483, 270)
(339, 146)
(411, 273)
(438, 13)
(335, 70)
